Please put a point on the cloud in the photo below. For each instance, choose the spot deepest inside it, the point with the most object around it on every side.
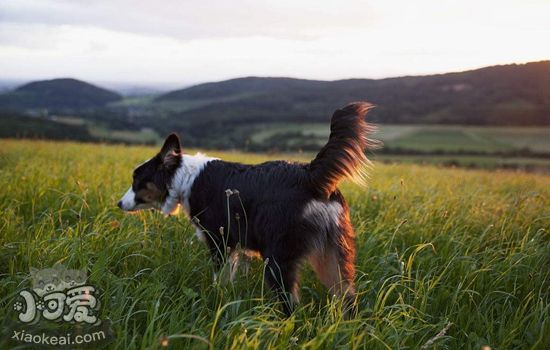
(187, 20)
(189, 42)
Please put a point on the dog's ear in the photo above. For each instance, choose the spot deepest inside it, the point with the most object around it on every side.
(170, 149)
(171, 144)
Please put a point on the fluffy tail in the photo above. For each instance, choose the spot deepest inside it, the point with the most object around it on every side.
(344, 154)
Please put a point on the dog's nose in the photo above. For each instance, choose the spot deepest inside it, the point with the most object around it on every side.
(119, 204)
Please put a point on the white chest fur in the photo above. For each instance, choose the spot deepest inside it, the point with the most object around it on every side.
(179, 190)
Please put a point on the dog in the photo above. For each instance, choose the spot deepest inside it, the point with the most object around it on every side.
(284, 212)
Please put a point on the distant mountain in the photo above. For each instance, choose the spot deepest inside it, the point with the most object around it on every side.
(499, 95)
(57, 94)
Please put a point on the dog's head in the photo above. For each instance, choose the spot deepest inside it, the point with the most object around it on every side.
(151, 180)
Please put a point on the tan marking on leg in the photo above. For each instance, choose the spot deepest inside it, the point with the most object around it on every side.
(328, 268)
(335, 275)
(234, 259)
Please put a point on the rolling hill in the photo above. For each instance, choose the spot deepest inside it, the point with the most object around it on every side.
(499, 95)
(57, 94)
(286, 114)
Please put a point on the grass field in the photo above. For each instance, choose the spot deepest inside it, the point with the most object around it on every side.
(483, 147)
(539, 165)
(419, 138)
(447, 258)
(148, 136)
(430, 137)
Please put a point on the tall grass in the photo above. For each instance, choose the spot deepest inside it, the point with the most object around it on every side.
(447, 258)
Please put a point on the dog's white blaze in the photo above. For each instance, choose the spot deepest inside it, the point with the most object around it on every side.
(128, 200)
(179, 190)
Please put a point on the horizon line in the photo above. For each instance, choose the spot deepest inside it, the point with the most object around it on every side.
(153, 85)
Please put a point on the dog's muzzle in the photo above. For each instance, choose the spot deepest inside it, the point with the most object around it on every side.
(128, 202)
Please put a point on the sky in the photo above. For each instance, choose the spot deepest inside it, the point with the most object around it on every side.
(187, 41)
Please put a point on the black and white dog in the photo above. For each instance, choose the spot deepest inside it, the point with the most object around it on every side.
(284, 212)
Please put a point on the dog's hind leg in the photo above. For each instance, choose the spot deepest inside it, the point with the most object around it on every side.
(334, 266)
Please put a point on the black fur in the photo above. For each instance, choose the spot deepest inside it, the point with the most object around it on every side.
(271, 196)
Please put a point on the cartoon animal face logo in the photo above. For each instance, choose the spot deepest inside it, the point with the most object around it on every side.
(74, 278)
(56, 279)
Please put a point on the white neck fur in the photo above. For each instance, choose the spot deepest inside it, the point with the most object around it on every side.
(179, 190)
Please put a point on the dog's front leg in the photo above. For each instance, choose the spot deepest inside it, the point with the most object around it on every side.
(234, 260)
